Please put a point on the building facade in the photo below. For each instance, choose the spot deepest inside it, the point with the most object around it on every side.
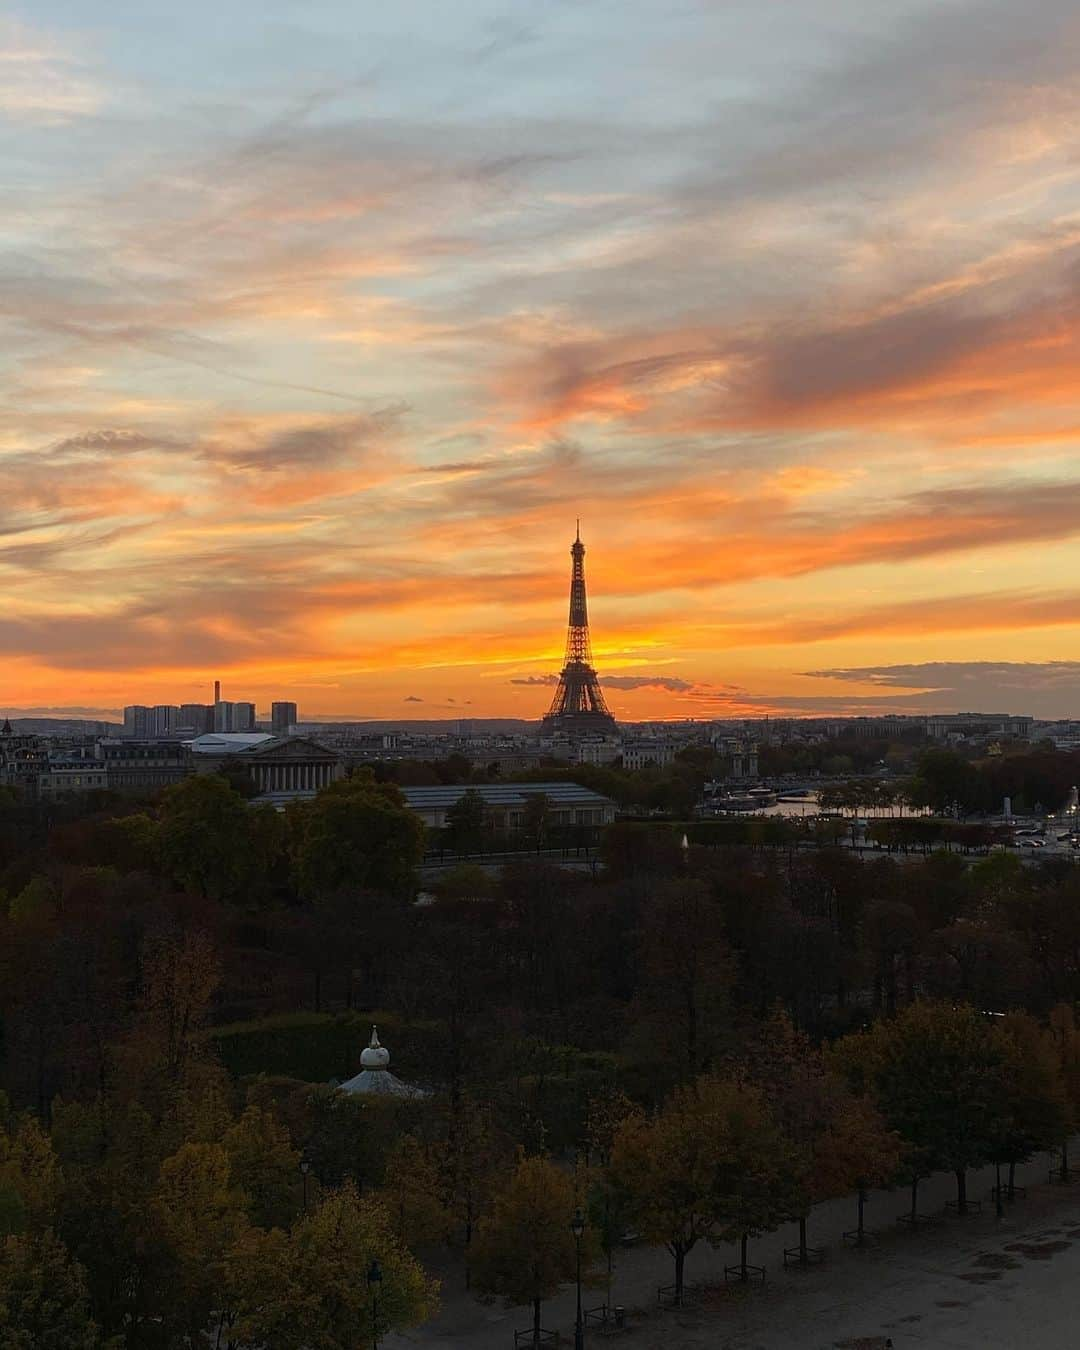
(22, 760)
(283, 719)
(647, 755)
(281, 768)
(505, 804)
(234, 716)
(144, 765)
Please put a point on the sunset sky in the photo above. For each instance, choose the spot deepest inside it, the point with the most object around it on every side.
(323, 321)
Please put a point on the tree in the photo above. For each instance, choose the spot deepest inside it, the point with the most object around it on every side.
(936, 1074)
(465, 822)
(202, 836)
(265, 1166)
(411, 1193)
(605, 1114)
(258, 1287)
(1035, 1103)
(535, 818)
(200, 1211)
(684, 1004)
(180, 972)
(356, 833)
(43, 1298)
(712, 1165)
(633, 849)
(322, 1300)
(470, 1157)
(524, 1246)
(610, 1211)
(349, 1135)
(30, 1178)
(947, 783)
(838, 1138)
(464, 882)
(1067, 1044)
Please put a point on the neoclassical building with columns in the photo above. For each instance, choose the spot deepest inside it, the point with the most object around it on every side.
(281, 768)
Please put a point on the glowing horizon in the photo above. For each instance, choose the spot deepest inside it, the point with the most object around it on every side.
(322, 330)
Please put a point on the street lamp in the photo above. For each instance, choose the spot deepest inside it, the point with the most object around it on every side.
(305, 1168)
(374, 1280)
(577, 1227)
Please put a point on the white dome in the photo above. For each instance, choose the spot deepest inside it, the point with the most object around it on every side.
(375, 1078)
(376, 1056)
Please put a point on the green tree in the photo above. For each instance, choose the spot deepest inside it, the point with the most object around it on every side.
(35, 902)
(713, 1166)
(524, 1247)
(936, 1073)
(946, 782)
(465, 822)
(357, 834)
(1036, 1109)
(43, 1298)
(536, 818)
(129, 843)
(203, 836)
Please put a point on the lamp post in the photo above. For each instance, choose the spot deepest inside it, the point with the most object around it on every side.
(305, 1168)
(998, 1207)
(577, 1227)
(374, 1280)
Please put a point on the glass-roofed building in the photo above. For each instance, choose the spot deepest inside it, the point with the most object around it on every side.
(505, 803)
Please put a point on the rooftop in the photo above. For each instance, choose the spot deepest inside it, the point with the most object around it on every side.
(227, 742)
(501, 794)
(375, 1078)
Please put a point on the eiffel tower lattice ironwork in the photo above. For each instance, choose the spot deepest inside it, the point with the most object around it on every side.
(578, 706)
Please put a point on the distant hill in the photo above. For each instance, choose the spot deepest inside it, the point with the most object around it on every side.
(450, 726)
(60, 726)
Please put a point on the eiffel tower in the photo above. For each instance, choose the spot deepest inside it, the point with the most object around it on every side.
(578, 707)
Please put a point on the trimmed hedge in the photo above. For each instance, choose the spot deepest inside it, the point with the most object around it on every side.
(317, 1047)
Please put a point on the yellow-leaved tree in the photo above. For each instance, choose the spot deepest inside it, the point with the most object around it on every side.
(313, 1290)
(712, 1166)
(524, 1247)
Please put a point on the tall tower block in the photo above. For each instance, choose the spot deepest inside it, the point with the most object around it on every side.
(578, 707)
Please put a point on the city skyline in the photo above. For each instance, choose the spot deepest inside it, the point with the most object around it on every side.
(321, 331)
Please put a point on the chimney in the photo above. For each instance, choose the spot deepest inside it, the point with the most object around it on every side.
(217, 691)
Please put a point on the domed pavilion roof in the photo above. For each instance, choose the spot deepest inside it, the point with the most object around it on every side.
(375, 1078)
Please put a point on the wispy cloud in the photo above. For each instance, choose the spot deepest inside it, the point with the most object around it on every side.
(309, 377)
(42, 80)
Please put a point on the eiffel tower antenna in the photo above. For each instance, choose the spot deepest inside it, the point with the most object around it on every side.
(578, 706)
